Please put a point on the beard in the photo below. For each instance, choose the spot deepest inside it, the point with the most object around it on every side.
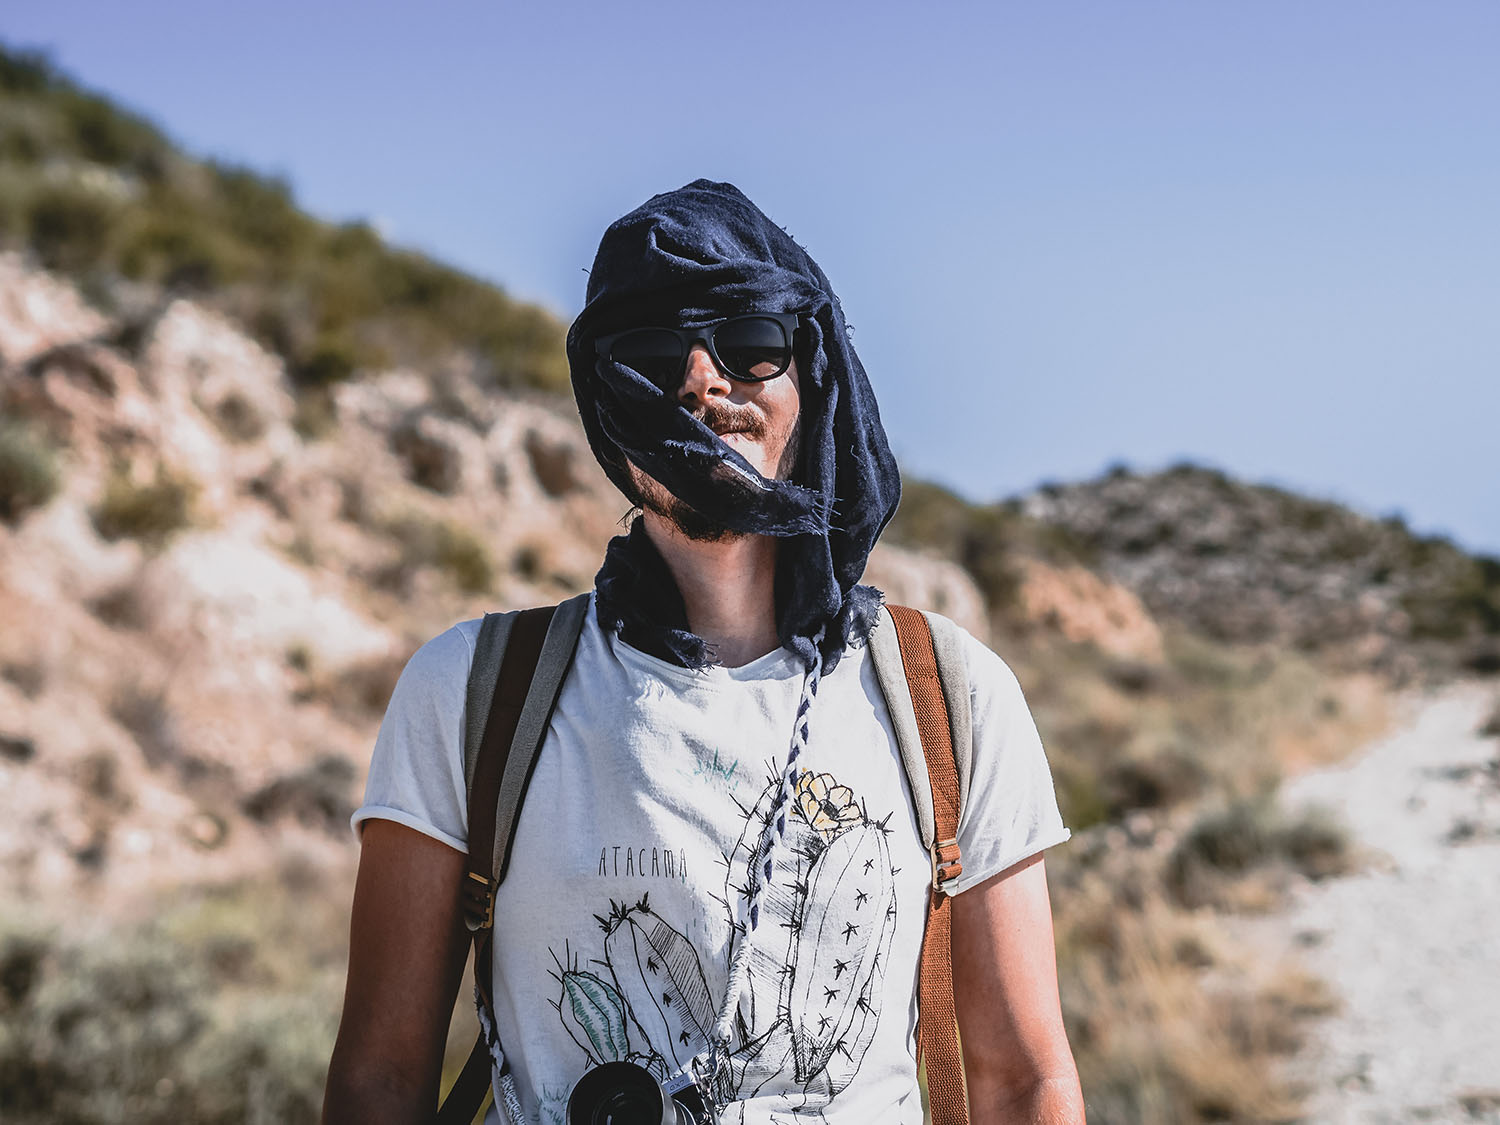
(723, 418)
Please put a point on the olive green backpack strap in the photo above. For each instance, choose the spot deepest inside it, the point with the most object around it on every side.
(520, 662)
(919, 663)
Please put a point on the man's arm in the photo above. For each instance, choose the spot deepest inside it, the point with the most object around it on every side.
(407, 947)
(1017, 1060)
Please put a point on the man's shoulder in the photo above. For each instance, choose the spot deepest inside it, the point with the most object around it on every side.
(986, 668)
(450, 655)
(445, 656)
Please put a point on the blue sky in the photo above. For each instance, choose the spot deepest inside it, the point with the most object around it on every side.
(1263, 236)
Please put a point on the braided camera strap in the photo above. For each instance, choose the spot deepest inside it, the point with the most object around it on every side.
(749, 905)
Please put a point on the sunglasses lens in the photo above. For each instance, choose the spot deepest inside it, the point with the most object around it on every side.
(753, 347)
(655, 353)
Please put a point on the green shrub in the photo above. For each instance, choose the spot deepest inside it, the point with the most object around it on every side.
(314, 414)
(24, 72)
(150, 512)
(91, 1033)
(135, 1027)
(260, 211)
(1316, 844)
(1164, 777)
(71, 225)
(1463, 600)
(1250, 834)
(448, 546)
(103, 134)
(29, 473)
(178, 249)
(331, 360)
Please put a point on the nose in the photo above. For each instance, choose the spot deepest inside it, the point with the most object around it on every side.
(702, 380)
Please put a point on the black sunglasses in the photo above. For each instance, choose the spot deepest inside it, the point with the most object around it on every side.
(748, 349)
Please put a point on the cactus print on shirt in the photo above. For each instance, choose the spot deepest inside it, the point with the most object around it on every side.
(646, 818)
(816, 977)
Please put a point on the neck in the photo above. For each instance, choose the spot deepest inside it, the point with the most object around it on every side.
(728, 588)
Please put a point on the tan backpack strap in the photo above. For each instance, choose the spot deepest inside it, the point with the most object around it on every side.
(937, 1020)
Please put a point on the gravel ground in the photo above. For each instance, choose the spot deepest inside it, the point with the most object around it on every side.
(1411, 944)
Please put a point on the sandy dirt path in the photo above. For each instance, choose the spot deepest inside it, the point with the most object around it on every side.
(1411, 943)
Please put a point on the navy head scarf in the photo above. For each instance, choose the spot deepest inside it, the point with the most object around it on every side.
(687, 258)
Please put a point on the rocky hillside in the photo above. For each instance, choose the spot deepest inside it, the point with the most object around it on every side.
(1239, 563)
(1244, 562)
(206, 596)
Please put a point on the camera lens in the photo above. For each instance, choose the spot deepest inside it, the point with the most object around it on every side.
(629, 1108)
(621, 1093)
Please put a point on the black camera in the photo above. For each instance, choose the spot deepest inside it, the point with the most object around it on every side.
(621, 1093)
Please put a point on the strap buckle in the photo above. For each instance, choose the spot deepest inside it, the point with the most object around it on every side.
(946, 865)
(478, 901)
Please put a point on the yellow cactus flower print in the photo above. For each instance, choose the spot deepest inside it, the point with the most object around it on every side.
(826, 805)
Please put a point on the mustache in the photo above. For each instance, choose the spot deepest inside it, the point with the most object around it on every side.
(727, 417)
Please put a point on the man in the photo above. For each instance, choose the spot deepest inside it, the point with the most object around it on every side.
(720, 721)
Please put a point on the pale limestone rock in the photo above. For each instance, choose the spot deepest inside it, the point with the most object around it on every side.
(927, 582)
(381, 401)
(244, 608)
(39, 312)
(222, 403)
(56, 555)
(231, 379)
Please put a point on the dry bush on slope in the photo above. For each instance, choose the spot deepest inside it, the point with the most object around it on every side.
(220, 1011)
(1254, 838)
(1213, 721)
(151, 511)
(29, 473)
(1164, 1023)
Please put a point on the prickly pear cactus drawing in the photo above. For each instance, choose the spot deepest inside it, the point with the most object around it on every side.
(660, 979)
(840, 941)
(597, 1019)
(594, 1015)
(833, 895)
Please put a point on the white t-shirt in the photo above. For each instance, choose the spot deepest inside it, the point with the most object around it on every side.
(613, 925)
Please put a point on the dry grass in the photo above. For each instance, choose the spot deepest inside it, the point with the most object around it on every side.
(1254, 842)
(1167, 775)
(1164, 1023)
(150, 511)
(1211, 722)
(445, 545)
(220, 1009)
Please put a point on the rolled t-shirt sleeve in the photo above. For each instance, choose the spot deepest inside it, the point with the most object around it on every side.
(417, 769)
(1011, 811)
